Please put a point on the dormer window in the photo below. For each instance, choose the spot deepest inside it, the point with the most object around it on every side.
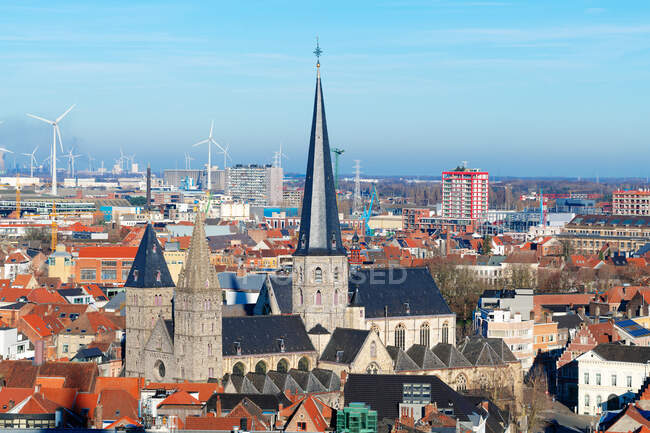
(153, 249)
(158, 276)
(339, 356)
(281, 344)
(237, 347)
(407, 308)
(135, 275)
(333, 240)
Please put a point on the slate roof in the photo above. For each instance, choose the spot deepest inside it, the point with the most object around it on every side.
(282, 287)
(117, 303)
(450, 355)
(249, 282)
(148, 261)
(284, 382)
(320, 231)
(84, 354)
(330, 380)
(346, 340)
(263, 383)
(424, 358)
(482, 351)
(307, 381)
(222, 242)
(623, 353)
(318, 329)
(404, 291)
(266, 402)
(261, 334)
(401, 361)
(383, 393)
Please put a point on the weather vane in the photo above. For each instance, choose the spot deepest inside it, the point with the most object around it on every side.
(318, 52)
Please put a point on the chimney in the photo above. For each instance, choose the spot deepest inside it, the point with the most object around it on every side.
(148, 205)
(99, 416)
(344, 378)
(218, 406)
(39, 353)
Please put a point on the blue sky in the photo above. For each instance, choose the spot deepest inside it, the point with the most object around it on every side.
(523, 88)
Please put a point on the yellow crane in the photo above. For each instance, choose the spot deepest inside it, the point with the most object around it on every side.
(54, 227)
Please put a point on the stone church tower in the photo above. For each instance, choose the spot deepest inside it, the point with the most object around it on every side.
(149, 292)
(197, 313)
(320, 265)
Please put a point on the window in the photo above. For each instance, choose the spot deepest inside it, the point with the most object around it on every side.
(613, 380)
(302, 426)
(88, 274)
(158, 276)
(65, 348)
(283, 366)
(303, 364)
(260, 367)
(587, 400)
(599, 401)
(301, 300)
(336, 297)
(445, 333)
(373, 350)
(416, 393)
(629, 381)
(210, 372)
(109, 274)
(319, 298)
(318, 275)
(586, 378)
(461, 383)
(109, 264)
(373, 368)
(400, 336)
(424, 334)
(597, 378)
(209, 349)
(135, 275)
(336, 274)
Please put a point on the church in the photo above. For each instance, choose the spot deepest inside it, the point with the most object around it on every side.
(177, 332)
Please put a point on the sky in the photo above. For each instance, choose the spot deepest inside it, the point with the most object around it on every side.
(519, 88)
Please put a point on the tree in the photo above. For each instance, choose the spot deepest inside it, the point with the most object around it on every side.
(486, 246)
(521, 276)
(535, 400)
(137, 200)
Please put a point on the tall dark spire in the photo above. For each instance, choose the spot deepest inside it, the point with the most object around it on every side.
(149, 267)
(320, 233)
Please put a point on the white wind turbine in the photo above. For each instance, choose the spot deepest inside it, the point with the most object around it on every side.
(32, 161)
(90, 163)
(188, 160)
(209, 141)
(56, 132)
(71, 158)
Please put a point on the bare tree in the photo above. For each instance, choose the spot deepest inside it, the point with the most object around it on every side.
(535, 400)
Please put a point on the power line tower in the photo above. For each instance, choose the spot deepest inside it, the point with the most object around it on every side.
(54, 227)
(337, 152)
(356, 204)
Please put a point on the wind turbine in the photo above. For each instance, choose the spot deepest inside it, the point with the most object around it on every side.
(277, 157)
(56, 132)
(71, 157)
(188, 160)
(32, 161)
(209, 141)
(90, 163)
(226, 154)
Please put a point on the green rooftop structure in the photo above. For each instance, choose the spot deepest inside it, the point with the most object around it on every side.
(356, 418)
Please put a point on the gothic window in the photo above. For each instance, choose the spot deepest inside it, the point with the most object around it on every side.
(424, 334)
(303, 364)
(210, 372)
(283, 365)
(209, 348)
(318, 275)
(400, 336)
(160, 369)
(373, 350)
(319, 298)
(483, 382)
(373, 368)
(336, 274)
(445, 333)
(260, 367)
(301, 300)
(461, 383)
(336, 297)
(238, 369)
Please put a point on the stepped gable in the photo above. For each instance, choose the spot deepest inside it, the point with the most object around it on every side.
(424, 358)
(320, 231)
(450, 355)
(198, 273)
(401, 361)
(149, 267)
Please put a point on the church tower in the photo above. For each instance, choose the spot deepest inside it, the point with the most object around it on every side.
(320, 265)
(197, 313)
(149, 291)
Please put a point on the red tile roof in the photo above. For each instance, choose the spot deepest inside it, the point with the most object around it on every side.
(115, 252)
(132, 385)
(205, 390)
(179, 398)
(9, 397)
(37, 324)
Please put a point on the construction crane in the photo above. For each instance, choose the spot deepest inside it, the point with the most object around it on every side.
(367, 213)
(337, 152)
(54, 227)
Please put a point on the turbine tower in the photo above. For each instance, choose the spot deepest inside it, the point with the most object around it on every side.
(71, 158)
(32, 161)
(56, 132)
(210, 141)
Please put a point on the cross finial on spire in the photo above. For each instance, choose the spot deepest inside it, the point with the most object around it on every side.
(318, 52)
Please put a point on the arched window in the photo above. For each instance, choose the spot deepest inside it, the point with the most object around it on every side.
(318, 275)
(238, 369)
(260, 367)
(301, 299)
(373, 368)
(587, 401)
(445, 333)
(303, 364)
(599, 402)
(461, 383)
(424, 334)
(400, 336)
(319, 298)
(209, 348)
(283, 365)
(336, 297)
(483, 382)
(373, 350)
(336, 273)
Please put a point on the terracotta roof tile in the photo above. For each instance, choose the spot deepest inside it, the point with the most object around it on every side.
(179, 398)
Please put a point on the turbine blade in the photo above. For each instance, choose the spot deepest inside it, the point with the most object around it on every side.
(58, 119)
(40, 118)
(3, 149)
(211, 126)
(58, 133)
(217, 144)
(201, 142)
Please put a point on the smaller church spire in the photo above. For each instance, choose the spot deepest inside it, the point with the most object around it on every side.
(198, 273)
(149, 267)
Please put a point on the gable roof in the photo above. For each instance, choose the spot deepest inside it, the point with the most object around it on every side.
(179, 398)
(263, 334)
(424, 358)
(344, 345)
(401, 361)
(623, 353)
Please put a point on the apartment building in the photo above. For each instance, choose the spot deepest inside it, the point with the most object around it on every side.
(107, 265)
(256, 184)
(588, 234)
(517, 333)
(465, 193)
(635, 202)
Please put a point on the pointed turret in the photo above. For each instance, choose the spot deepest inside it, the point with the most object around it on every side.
(320, 234)
(149, 266)
(198, 274)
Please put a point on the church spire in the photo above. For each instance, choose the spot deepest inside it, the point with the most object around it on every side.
(198, 274)
(320, 233)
